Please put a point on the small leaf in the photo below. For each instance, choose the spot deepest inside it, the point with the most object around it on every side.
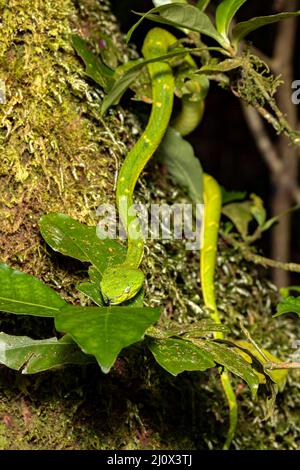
(176, 356)
(79, 241)
(95, 67)
(258, 211)
(224, 66)
(225, 13)
(231, 360)
(288, 305)
(230, 196)
(240, 214)
(104, 332)
(92, 291)
(23, 294)
(242, 29)
(32, 356)
(181, 16)
(278, 376)
(185, 169)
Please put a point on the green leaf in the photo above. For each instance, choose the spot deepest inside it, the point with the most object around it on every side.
(258, 211)
(224, 66)
(95, 67)
(230, 196)
(231, 360)
(278, 376)
(185, 169)
(79, 241)
(23, 294)
(104, 332)
(31, 356)
(225, 13)
(240, 214)
(176, 356)
(199, 329)
(242, 29)
(288, 305)
(92, 291)
(181, 16)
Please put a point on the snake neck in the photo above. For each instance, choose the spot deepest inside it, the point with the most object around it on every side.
(156, 43)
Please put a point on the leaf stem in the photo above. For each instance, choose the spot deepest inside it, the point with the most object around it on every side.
(258, 259)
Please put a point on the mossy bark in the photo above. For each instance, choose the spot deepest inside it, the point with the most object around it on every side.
(58, 155)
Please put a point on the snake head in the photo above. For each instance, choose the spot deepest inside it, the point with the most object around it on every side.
(120, 283)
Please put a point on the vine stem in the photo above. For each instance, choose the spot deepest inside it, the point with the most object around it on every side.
(258, 259)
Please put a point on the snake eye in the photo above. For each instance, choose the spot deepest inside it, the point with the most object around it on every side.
(127, 290)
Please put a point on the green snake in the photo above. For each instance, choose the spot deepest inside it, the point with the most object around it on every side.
(122, 282)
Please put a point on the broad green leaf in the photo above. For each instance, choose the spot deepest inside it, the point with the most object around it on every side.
(95, 67)
(185, 169)
(23, 294)
(225, 13)
(202, 4)
(240, 215)
(31, 356)
(242, 29)
(230, 196)
(231, 360)
(181, 16)
(288, 305)
(224, 66)
(278, 376)
(79, 241)
(104, 332)
(176, 356)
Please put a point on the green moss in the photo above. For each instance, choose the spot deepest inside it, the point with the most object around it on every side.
(56, 152)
